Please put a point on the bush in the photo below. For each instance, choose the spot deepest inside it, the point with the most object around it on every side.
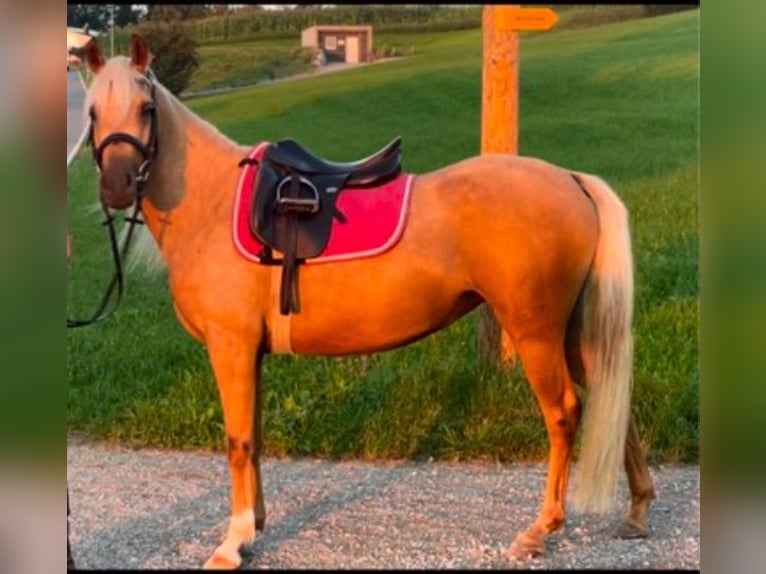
(175, 53)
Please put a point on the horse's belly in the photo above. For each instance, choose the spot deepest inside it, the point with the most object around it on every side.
(369, 307)
(348, 334)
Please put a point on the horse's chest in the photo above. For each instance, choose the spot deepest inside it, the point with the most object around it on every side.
(187, 322)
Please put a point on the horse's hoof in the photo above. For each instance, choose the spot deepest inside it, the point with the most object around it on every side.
(631, 528)
(223, 561)
(526, 546)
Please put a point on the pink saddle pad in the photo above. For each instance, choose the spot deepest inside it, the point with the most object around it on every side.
(375, 217)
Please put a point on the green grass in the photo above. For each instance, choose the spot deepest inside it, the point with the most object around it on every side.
(242, 63)
(233, 65)
(620, 100)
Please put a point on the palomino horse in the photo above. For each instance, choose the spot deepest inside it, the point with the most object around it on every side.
(548, 249)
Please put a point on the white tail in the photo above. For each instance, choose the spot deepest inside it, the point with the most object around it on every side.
(607, 346)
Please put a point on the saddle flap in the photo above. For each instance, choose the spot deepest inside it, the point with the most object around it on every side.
(295, 201)
(274, 229)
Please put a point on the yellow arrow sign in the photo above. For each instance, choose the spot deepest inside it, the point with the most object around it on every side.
(514, 18)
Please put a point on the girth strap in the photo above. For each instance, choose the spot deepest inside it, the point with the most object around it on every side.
(290, 265)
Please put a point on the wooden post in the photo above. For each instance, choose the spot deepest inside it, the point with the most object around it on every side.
(499, 134)
(500, 83)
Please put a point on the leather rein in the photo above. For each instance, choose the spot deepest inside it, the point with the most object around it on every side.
(148, 152)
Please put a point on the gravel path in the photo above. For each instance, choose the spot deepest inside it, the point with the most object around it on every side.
(164, 509)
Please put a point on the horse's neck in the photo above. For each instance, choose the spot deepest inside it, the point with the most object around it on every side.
(193, 179)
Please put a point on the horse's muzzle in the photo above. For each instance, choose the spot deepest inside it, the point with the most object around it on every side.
(118, 183)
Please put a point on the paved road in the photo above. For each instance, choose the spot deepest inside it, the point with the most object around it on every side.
(164, 509)
(75, 118)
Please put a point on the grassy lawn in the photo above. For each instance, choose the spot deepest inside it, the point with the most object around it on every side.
(233, 65)
(620, 100)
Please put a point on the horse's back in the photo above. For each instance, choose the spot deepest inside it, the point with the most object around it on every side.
(528, 183)
(509, 201)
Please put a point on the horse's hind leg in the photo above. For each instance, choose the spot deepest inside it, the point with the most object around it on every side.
(545, 366)
(641, 487)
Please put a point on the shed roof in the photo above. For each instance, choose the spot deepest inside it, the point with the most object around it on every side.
(340, 28)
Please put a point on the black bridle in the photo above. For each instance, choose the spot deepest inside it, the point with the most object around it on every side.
(148, 153)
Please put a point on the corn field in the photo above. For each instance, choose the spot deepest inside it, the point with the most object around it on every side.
(249, 25)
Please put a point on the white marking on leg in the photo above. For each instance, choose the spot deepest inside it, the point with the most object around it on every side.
(241, 531)
(242, 527)
(226, 556)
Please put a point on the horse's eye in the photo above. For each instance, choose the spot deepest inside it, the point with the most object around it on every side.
(148, 109)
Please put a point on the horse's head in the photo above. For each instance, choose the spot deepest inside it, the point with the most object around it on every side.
(122, 109)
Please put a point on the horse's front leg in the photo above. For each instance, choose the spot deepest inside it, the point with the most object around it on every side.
(260, 508)
(234, 359)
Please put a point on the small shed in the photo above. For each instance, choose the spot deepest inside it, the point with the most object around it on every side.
(352, 44)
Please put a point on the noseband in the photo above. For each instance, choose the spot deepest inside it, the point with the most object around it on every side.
(148, 152)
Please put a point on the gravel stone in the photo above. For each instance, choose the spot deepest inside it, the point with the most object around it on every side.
(152, 509)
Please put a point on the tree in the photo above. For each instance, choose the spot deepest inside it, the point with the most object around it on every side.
(175, 53)
(74, 15)
(95, 15)
(125, 15)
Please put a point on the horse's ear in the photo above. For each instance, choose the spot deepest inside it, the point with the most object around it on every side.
(94, 57)
(140, 56)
